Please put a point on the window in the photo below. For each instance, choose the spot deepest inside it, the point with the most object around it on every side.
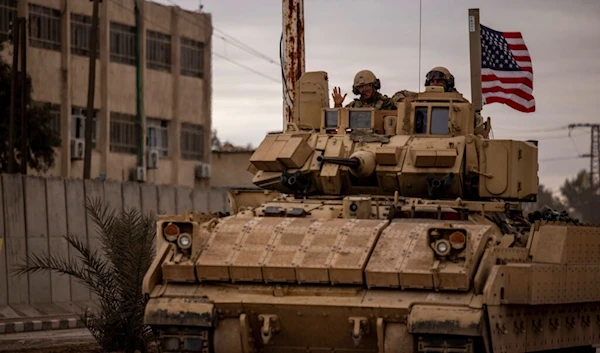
(123, 133)
(421, 120)
(54, 122)
(192, 57)
(122, 43)
(192, 142)
(81, 26)
(78, 117)
(439, 120)
(44, 27)
(360, 119)
(158, 135)
(158, 51)
(331, 118)
(8, 12)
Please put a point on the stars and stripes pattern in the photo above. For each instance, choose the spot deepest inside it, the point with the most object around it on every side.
(506, 70)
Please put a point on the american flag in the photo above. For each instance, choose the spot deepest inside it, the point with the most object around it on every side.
(506, 70)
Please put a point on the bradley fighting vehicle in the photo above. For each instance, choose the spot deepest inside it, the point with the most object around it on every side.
(379, 231)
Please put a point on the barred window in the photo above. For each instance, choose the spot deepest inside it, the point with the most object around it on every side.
(8, 13)
(123, 133)
(44, 27)
(81, 27)
(78, 118)
(55, 117)
(122, 43)
(192, 142)
(158, 51)
(158, 135)
(192, 58)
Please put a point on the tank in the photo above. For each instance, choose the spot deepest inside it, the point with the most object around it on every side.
(379, 231)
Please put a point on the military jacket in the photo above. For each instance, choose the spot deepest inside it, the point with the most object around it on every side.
(379, 101)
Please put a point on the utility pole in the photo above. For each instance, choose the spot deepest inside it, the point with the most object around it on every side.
(594, 151)
(475, 59)
(139, 84)
(16, 38)
(293, 55)
(24, 145)
(89, 122)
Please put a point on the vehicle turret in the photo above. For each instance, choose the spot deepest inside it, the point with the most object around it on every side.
(433, 147)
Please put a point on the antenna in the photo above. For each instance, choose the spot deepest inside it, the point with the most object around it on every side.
(419, 86)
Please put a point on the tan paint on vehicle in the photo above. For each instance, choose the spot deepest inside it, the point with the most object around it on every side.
(378, 231)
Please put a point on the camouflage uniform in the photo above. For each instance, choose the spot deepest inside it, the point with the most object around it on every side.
(401, 95)
(378, 101)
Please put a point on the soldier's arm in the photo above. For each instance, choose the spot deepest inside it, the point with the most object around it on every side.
(389, 104)
(401, 95)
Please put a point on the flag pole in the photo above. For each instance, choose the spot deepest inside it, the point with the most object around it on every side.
(475, 54)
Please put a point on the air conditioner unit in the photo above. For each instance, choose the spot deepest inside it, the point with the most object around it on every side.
(140, 173)
(153, 156)
(77, 148)
(203, 171)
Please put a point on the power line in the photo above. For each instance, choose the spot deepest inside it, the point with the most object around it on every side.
(247, 68)
(526, 131)
(229, 39)
(216, 54)
(564, 158)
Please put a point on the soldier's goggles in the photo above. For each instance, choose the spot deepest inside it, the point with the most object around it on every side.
(435, 75)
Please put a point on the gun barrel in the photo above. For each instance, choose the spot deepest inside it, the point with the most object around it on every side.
(348, 162)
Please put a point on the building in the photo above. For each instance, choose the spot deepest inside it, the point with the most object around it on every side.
(230, 167)
(175, 58)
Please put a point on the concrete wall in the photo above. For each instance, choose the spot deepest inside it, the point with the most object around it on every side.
(36, 212)
(230, 169)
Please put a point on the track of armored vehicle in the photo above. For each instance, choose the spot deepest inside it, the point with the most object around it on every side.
(379, 231)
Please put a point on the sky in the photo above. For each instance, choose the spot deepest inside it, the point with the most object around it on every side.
(345, 36)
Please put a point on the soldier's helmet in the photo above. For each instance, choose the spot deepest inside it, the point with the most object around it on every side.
(365, 77)
(441, 73)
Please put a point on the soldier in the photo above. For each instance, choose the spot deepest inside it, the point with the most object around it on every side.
(367, 86)
(440, 76)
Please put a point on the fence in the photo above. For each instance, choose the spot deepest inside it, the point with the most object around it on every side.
(36, 212)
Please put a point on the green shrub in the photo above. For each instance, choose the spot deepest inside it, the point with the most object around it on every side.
(114, 272)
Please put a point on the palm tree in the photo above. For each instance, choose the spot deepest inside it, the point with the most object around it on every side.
(114, 273)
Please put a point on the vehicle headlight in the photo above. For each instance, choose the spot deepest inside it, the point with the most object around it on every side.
(442, 247)
(184, 241)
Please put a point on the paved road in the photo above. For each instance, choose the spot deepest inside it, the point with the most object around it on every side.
(45, 339)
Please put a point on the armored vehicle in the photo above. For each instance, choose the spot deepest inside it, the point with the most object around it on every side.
(379, 231)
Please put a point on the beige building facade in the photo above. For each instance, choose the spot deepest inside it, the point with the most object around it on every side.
(175, 58)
